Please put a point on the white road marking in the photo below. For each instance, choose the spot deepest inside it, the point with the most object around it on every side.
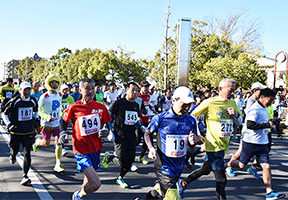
(36, 183)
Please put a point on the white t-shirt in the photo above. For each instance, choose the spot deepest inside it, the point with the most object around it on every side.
(259, 115)
(153, 103)
(110, 98)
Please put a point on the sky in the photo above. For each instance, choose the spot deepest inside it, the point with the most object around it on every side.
(43, 27)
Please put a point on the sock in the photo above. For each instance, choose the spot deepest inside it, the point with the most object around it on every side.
(58, 153)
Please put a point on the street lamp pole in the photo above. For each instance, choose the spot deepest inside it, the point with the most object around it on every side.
(286, 55)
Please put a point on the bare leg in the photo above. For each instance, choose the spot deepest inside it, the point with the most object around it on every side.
(91, 182)
(267, 178)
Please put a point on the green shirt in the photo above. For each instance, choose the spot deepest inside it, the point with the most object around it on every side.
(99, 97)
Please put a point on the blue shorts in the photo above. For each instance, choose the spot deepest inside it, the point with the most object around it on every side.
(86, 160)
(249, 150)
(216, 160)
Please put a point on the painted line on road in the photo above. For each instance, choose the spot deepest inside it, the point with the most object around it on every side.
(36, 183)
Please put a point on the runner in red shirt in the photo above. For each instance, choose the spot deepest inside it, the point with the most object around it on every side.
(88, 117)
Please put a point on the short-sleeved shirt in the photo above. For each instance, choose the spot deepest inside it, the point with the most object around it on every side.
(126, 115)
(111, 98)
(258, 114)
(146, 100)
(87, 120)
(219, 122)
(99, 97)
(37, 95)
(172, 140)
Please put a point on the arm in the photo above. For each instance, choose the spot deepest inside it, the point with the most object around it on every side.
(152, 152)
(254, 126)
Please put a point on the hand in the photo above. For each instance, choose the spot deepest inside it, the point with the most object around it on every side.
(111, 136)
(194, 139)
(50, 119)
(11, 127)
(232, 112)
(152, 153)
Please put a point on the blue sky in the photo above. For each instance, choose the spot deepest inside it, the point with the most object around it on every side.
(43, 27)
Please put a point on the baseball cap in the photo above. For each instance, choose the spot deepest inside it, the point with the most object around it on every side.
(258, 85)
(24, 85)
(239, 93)
(63, 86)
(75, 85)
(144, 83)
(184, 94)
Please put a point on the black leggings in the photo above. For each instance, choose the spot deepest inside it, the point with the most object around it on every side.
(219, 176)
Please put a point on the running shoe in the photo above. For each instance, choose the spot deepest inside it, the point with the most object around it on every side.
(281, 137)
(274, 195)
(12, 159)
(230, 172)
(253, 172)
(25, 181)
(36, 145)
(64, 152)
(181, 188)
(121, 182)
(145, 162)
(58, 168)
(105, 161)
(76, 196)
(134, 167)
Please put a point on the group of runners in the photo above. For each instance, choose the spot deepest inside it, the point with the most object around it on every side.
(179, 119)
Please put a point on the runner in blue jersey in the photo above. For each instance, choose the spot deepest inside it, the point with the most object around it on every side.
(176, 130)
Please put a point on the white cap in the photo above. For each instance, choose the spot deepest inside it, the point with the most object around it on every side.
(63, 86)
(258, 85)
(24, 85)
(184, 94)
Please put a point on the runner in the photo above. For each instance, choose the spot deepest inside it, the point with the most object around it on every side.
(221, 113)
(87, 117)
(50, 113)
(255, 140)
(166, 100)
(35, 90)
(176, 130)
(18, 116)
(6, 92)
(125, 112)
(111, 95)
(75, 94)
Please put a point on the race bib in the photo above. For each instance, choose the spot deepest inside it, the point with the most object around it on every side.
(8, 95)
(65, 106)
(131, 117)
(225, 128)
(25, 114)
(89, 124)
(55, 115)
(176, 145)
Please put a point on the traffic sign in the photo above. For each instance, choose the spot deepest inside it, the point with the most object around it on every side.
(35, 56)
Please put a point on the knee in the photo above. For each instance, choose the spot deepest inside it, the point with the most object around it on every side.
(46, 143)
(95, 185)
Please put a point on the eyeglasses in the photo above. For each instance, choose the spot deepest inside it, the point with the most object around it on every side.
(54, 83)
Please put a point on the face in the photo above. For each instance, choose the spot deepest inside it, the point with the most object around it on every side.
(226, 91)
(168, 93)
(54, 84)
(25, 93)
(65, 91)
(131, 92)
(97, 88)
(76, 89)
(266, 101)
(112, 88)
(144, 89)
(179, 107)
(9, 83)
(257, 93)
(88, 91)
(36, 86)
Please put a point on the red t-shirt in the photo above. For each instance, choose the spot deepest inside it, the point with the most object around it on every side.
(146, 100)
(87, 120)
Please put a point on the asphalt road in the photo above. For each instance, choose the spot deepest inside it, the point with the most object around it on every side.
(46, 184)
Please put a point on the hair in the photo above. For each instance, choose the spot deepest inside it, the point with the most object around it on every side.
(86, 80)
(226, 80)
(267, 93)
(128, 85)
(10, 80)
(199, 94)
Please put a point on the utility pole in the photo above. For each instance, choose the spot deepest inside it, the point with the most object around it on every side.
(166, 46)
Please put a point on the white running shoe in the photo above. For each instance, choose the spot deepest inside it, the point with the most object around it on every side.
(134, 168)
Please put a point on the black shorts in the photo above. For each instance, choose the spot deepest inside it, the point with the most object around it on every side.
(166, 182)
(249, 150)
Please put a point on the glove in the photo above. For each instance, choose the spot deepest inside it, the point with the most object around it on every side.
(11, 127)
(64, 137)
(111, 136)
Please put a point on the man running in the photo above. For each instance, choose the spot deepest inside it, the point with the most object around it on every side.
(87, 117)
(221, 113)
(176, 130)
(18, 116)
(255, 140)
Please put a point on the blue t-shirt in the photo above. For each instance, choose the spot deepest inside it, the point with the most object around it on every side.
(37, 96)
(172, 140)
(75, 96)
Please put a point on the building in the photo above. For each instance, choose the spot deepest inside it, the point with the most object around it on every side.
(10, 69)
